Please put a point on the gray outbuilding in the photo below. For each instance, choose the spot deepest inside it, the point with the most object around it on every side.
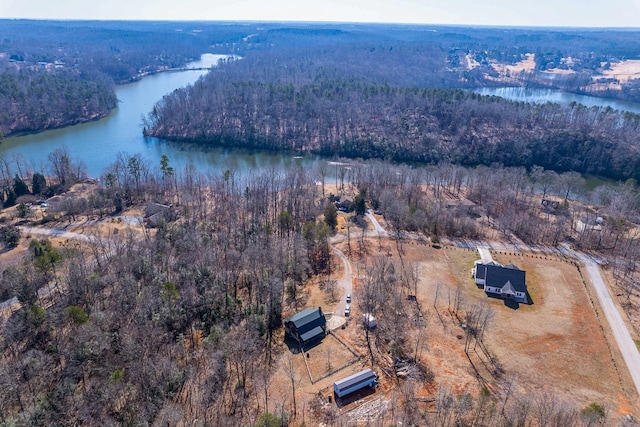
(355, 382)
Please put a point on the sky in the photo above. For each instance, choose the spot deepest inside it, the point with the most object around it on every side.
(554, 13)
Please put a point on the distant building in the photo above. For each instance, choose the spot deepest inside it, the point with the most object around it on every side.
(355, 382)
(550, 205)
(155, 213)
(306, 326)
(344, 204)
(507, 282)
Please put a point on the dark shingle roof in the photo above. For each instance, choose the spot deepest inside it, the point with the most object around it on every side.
(312, 333)
(307, 319)
(498, 277)
(481, 271)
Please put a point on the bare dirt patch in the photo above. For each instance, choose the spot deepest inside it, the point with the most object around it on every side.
(558, 338)
(470, 62)
(555, 344)
(557, 72)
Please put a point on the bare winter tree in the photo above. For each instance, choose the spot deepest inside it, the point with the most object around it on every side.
(291, 372)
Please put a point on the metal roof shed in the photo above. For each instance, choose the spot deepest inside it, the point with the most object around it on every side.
(362, 379)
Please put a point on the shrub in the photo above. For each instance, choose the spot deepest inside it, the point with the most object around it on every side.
(77, 314)
(10, 235)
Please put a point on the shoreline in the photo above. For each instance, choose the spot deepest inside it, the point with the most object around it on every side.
(94, 118)
(134, 79)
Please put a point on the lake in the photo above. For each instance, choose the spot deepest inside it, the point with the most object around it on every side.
(556, 96)
(97, 143)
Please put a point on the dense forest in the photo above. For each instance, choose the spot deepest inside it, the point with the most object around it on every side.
(185, 321)
(32, 101)
(110, 52)
(306, 106)
(181, 320)
(356, 92)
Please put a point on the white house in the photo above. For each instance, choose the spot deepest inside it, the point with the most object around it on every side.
(507, 282)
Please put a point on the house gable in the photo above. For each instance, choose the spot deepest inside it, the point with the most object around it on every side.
(509, 281)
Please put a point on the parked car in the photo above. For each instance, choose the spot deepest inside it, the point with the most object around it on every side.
(349, 298)
(347, 311)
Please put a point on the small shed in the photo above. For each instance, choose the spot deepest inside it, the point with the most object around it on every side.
(355, 382)
(369, 321)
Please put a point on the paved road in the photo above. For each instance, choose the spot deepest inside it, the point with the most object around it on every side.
(621, 333)
(11, 305)
(625, 343)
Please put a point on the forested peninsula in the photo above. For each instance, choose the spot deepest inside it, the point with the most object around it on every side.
(331, 104)
(55, 73)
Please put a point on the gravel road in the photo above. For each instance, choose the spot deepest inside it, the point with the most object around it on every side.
(621, 333)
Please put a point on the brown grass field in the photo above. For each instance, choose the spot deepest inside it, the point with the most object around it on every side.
(554, 346)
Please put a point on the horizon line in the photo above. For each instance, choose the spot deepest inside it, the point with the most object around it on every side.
(291, 21)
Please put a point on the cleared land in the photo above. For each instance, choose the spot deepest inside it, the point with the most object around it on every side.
(527, 65)
(556, 344)
(329, 356)
(622, 71)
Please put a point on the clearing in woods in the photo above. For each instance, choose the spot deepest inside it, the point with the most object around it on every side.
(554, 345)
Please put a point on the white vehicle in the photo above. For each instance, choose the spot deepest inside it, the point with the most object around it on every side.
(347, 311)
(349, 298)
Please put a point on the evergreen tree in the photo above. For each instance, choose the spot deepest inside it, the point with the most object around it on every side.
(20, 188)
(38, 183)
(331, 216)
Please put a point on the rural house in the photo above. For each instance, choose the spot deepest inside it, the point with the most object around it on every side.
(507, 282)
(344, 204)
(306, 326)
(154, 213)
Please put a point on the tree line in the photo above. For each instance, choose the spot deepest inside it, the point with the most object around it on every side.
(32, 102)
(309, 111)
(107, 53)
(55, 74)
